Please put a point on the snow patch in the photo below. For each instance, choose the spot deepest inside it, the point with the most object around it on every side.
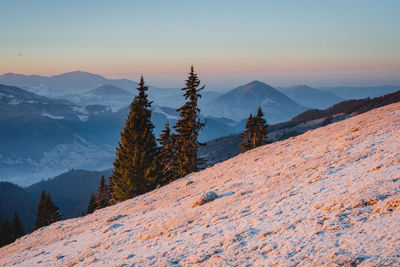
(83, 115)
(52, 116)
(169, 116)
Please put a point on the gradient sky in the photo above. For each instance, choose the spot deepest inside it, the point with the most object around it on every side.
(283, 42)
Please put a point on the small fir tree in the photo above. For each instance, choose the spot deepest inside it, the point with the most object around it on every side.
(255, 132)
(6, 234)
(135, 167)
(188, 127)
(47, 212)
(261, 129)
(92, 206)
(18, 229)
(166, 156)
(110, 190)
(248, 134)
(102, 197)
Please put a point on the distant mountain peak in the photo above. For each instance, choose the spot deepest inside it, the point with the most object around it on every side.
(238, 103)
(256, 83)
(256, 87)
(17, 75)
(78, 74)
(8, 74)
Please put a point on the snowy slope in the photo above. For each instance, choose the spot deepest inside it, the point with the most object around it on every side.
(328, 197)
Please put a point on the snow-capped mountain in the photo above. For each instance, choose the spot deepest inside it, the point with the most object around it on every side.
(311, 97)
(280, 204)
(238, 103)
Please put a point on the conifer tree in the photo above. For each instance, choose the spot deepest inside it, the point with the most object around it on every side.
(135, 167)
(248, 134)
(187, 128)
(110, 190)
(47, 212)
(18, 229)
(261, 128)
(166, 156)
(92, 206)
(255, 133)
(6, 235)
(102, 197)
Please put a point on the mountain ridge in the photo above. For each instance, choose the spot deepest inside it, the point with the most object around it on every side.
(69, 82)
(311, 97)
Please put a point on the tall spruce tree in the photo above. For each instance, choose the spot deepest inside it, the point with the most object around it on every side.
(92, 206)
(18, 229)
(135, 166)
(6, 234)
(255, 132)
(187, 128)
(102, 197)
(47, 212)
(166, 156)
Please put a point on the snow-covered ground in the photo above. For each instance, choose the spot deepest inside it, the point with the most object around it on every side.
(328, 197)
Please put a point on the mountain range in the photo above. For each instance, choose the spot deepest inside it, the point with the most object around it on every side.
(76, 121)
(85, 88)
(66, 83)
(238, 103)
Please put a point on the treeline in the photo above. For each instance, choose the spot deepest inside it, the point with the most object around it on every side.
(46, 214)
(9, 232)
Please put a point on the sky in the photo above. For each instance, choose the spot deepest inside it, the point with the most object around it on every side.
(315, 42)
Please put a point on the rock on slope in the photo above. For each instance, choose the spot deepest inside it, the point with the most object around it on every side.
(328, 197)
